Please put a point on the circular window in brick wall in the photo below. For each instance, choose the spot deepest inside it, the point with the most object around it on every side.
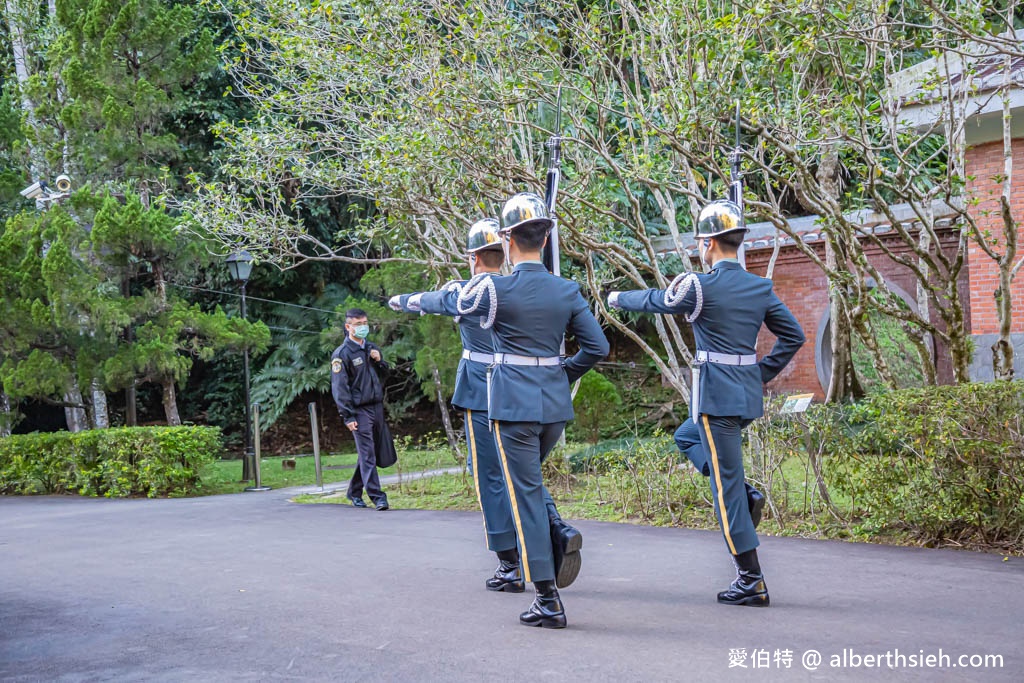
(897, 347)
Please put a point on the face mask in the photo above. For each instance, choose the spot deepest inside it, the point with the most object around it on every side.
(362, 331)
(704, 252)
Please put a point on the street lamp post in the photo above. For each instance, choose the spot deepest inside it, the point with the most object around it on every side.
(240, 267)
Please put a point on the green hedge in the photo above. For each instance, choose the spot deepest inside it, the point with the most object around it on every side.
(943, 463)
(130, 461)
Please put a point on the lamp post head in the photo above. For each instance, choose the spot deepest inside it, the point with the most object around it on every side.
(240, 266)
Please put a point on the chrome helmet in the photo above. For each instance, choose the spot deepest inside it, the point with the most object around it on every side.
(483, 235)
(524, 208)
(718, 218)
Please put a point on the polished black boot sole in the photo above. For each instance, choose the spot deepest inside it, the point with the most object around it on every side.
(756, 509)
(546, 622)
(750, 601)
(572, 562)
(508, 587)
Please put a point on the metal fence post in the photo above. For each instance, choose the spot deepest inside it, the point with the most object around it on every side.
(316, 445)
(256, 443)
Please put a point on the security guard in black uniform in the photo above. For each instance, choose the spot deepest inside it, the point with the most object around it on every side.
(726, 307)
(529, 312)
(357, 390)
(486, 256)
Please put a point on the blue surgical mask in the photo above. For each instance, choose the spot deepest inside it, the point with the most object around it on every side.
(362, 331)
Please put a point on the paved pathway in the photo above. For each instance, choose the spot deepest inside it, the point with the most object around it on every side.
(252, 587)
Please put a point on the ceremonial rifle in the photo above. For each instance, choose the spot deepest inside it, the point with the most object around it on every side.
(551, 256)
(736, 178)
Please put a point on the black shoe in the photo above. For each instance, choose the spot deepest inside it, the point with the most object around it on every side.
(507, 578)
(382, 504)
(357, 502)
(747, 589)
(546, 610)
(566, 542)
(755, 501)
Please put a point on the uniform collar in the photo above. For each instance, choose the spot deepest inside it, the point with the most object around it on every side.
(530, 265)
(353, 342)
(727, 264)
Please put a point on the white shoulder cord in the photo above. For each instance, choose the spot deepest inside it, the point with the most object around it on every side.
(453, 286)
(472, 294)
(680, 287)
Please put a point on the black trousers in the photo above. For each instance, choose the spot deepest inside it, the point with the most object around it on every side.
(370, 435)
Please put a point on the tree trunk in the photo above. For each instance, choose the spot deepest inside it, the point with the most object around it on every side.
(6, 418)
(1002, 350)
(843, 384)
(100, 413)
(170, 400)
(20, 21)
(446, 419)
(76, 418)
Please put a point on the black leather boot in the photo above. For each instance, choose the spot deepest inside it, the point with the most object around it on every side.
(566, 542)
(546, 610)
(508, 577)
(755, 501)
(749, 587)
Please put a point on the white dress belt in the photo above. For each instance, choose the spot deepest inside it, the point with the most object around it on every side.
(478, 357)
(513, 359)
(726, 358)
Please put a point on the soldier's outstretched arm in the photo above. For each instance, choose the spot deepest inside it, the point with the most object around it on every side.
(789, 338)
(441, 302)
(652, 301)
(400, 303)
(590, 337)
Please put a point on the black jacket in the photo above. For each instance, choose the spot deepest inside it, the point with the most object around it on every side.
(355, 379)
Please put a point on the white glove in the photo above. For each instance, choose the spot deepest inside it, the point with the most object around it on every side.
(613, 299)
(413, 304)
(395, 303)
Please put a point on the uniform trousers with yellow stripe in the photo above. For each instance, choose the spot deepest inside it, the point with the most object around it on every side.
(489, 480)
(722, 440)
(522, 447)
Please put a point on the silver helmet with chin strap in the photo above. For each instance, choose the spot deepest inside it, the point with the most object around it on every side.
(484, 234)
(718, 218)
(522, 209)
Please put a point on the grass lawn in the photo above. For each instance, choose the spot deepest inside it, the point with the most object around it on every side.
(224, 476)
(443, 492)
(653, 491)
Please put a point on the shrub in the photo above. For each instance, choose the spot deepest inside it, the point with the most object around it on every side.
(596, 406)
(943, 463)
(131, 461)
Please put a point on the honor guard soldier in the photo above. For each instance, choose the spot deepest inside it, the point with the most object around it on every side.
(486, 255)
(529, 403)
(359, 395)
(726, 307)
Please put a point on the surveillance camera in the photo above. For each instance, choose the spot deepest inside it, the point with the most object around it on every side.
(35, 190)
(63, 183)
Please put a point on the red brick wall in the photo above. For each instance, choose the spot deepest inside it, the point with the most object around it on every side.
(985, 164)
(804, 289)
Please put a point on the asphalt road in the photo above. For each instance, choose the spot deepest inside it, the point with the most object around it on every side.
(253, 587)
